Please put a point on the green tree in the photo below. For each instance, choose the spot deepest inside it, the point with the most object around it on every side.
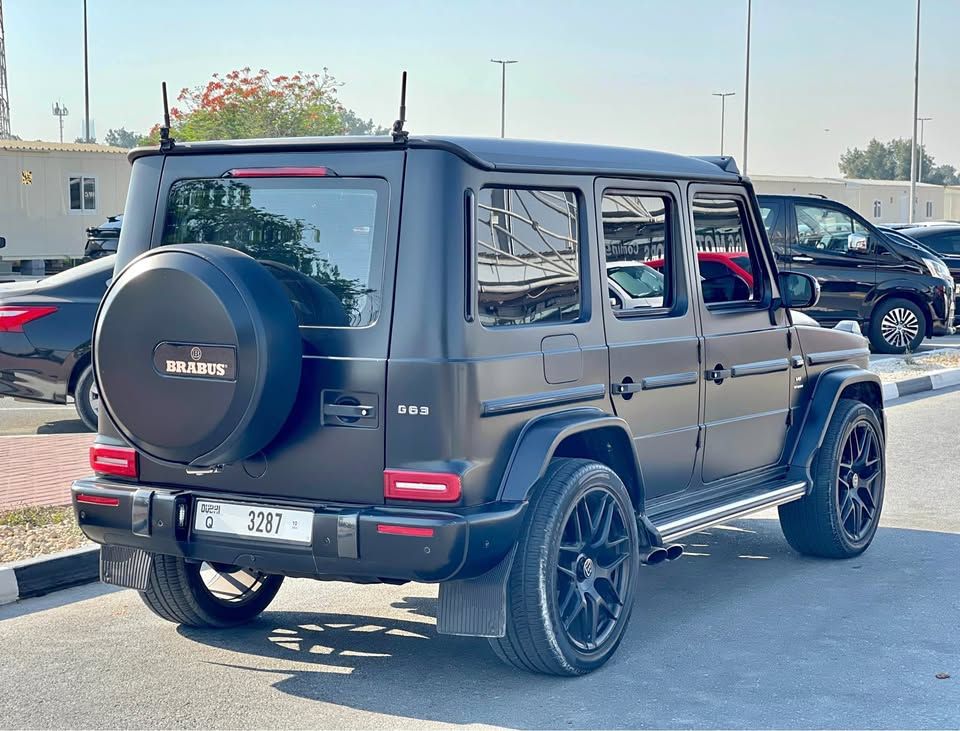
(891, 161)
(243, 105)
(122, 137)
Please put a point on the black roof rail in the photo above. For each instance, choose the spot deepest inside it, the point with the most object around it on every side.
(725, 162)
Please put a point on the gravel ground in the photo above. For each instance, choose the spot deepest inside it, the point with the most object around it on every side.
(900, 369)
(30, 532)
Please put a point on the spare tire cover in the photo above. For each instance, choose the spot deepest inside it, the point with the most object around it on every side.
(197, 355)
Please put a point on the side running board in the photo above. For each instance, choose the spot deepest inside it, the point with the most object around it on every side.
(679, 527)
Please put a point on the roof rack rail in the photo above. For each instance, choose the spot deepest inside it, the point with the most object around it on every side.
(725, 162)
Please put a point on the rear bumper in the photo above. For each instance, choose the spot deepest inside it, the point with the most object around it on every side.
(347, 542)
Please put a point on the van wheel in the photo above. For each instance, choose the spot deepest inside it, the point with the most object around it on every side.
(207, 595)
(840, 515)
(897, 326)
(86, 398)
(573, 581)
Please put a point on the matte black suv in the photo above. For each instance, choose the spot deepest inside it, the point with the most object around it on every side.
(899, 294)
(384, 361)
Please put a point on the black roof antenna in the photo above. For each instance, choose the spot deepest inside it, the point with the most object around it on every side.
(166, 141)
(399, 133)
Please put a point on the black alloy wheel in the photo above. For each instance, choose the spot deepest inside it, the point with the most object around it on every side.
(593, 569)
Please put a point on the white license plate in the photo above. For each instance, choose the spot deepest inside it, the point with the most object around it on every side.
(254, 521)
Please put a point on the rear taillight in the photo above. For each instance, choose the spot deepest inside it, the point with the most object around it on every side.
(282, 172)
(119, 461)
(13, 318)
(429, 486)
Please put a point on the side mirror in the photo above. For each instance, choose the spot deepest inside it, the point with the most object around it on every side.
(3, 242)
(860, 243)
(798, 291)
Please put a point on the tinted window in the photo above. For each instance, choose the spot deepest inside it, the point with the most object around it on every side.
(775, 224)
(827, 230)
(528, 256)
(945, 243)
(637, 237)
(322, 239)
(721, 228)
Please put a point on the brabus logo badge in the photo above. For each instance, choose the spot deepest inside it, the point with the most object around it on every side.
(186, 360)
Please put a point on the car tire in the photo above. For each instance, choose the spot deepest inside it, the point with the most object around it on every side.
(838, 518)
(86, 398)
(897, 326)
(573, 582)
(198, 595)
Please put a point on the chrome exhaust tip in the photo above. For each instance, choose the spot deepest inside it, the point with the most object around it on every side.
(674, 551)
(654, 556)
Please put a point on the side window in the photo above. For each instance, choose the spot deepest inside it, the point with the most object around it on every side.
(723, 245)
(775, 223)
(528, 256)
(827, 230)
(83, 193)
(638, 241)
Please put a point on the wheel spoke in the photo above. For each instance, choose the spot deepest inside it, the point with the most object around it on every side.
(616, 563)
(576, 612)
(592, 616)
(567, 572)
(610, 509)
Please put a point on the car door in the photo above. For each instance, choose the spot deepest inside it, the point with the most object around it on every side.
(653, 343)
(821, 246)
(746, 349)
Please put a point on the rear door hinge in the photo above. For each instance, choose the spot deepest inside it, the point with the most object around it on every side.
(790, 340)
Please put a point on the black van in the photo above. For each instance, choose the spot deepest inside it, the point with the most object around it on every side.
(899, 294)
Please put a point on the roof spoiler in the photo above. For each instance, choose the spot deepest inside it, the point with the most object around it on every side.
(725, 163)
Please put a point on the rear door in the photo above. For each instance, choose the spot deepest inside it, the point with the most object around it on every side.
(652, 336)
(326, 225)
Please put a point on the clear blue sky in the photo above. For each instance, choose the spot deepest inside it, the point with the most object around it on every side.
(632, 72)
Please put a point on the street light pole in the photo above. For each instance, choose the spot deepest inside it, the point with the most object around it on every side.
(913, 140)
(503, 91)
(920, 154)
(86, 79)
(723, 110)
(746, 88)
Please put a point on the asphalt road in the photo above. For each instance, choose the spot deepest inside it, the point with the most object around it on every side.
(740, 633)
(25, 417)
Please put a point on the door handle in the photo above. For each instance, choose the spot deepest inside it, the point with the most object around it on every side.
(800, 258)
(717, 374)
(626, 387)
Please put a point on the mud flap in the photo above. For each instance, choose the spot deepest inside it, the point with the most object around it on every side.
(123, 566)
(476, 607)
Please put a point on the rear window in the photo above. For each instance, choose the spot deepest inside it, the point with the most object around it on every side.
(322, 238)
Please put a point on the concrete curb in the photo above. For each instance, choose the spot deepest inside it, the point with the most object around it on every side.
(930, 382)
(42, 575)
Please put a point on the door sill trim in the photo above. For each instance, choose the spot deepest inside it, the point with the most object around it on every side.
(679, 527)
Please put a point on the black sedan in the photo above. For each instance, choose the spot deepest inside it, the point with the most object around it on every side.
(45, 329)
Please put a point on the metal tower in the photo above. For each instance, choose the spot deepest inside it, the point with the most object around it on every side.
(4, 95)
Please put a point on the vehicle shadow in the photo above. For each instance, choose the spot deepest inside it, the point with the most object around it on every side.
(741, 632)
(63, 426)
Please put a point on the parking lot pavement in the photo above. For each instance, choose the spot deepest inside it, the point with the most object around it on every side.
(740, 633)
(24, 417)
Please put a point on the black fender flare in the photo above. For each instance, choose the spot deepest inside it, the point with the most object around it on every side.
(538, 442)
(827, 391)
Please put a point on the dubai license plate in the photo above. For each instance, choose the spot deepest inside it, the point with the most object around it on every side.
(254, 521)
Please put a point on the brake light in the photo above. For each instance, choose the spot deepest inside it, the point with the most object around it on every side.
(12, 318)
(404, 530)
(110, 502)
(282, 172)
(430, 486)
(119, 461)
